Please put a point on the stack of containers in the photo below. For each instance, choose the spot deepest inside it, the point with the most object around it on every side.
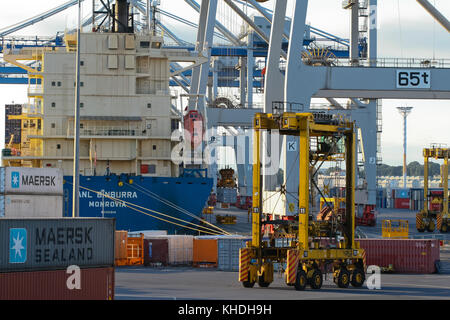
(416, 199)
(52, 259)
(401, 197)
(381, 198)
(406, 256)
(31, 192)
(227, 195)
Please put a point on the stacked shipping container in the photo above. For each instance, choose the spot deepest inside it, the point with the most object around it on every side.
(381, 198)
(416, 199)
(31, 192)
(35, 255)
(227, 195)
(401, 198)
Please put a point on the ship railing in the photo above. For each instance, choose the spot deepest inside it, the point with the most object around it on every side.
(109, 131)
(29, 152)
(35, 90)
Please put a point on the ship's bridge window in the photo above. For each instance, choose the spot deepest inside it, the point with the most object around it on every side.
(149, 105)
(53, 126)
(81, 105)
(53, 104)
(59, 83)
(81, 63)
(145, 44)
(156, 45)
(154, 147)
(58, 146)
(53, 83)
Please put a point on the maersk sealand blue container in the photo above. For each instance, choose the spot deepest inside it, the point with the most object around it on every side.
(157, 201)
(401, 193)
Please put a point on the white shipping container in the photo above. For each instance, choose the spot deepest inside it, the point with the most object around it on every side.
(148, 234)
(21, 180)
(31, 206)
(181, 249)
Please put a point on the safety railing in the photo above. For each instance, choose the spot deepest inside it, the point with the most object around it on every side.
(35, 90)
(397, 63)
(398, 229)
(108, 131)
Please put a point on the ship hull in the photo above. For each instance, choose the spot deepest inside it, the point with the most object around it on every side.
(154, 199)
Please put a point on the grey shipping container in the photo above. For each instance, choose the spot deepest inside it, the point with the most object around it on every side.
(31, 206)
(227, 195)
(47, 244)
(228, 253)
(22, 180)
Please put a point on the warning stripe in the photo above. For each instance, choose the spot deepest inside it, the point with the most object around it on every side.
(244, 263)
(292, 266)
(364, 259)
(438, 221)
(419, 221)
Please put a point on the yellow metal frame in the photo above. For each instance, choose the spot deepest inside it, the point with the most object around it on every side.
(347, 254)
(332, 201)
(35, 147)
(302, 125)
(398, 229)
(425, 217)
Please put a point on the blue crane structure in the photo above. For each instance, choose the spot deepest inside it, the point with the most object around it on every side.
(15, 75)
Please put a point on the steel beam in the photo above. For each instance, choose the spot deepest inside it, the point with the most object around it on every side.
(251, 23)
(228, 34)
(435, 14)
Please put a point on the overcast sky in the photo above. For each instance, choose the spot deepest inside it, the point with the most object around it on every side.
(405, 30)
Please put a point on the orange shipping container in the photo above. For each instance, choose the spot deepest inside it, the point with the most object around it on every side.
(120, 249)
(135, 250)
(205, 252)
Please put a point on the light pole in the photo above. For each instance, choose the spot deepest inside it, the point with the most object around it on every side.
(76, 138)
(404, 111)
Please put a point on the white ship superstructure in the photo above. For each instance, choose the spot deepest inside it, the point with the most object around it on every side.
(126, 113)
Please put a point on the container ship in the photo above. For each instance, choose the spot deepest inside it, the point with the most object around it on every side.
(126, 124)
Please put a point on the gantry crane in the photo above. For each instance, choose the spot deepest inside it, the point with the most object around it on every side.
(428, 219)
(318, 246)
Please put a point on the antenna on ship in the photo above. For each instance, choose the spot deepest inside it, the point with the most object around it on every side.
(118, 18)
(154, 9)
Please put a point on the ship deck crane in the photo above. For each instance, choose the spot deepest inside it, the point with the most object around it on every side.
(428, 219)
(307, 257)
